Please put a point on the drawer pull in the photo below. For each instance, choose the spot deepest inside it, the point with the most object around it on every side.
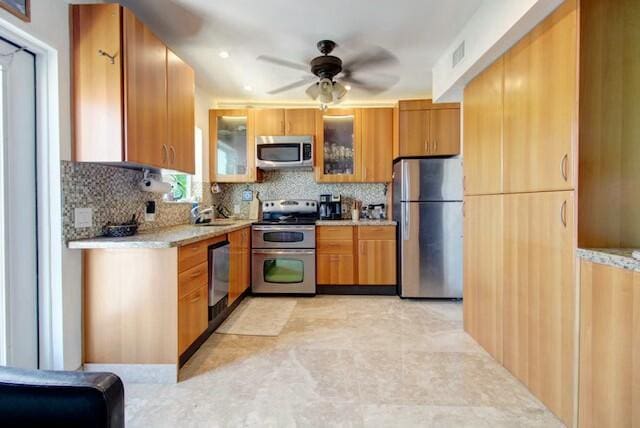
(196, 274)
(196, 298)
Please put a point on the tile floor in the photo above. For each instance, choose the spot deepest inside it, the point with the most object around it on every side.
(344, 362)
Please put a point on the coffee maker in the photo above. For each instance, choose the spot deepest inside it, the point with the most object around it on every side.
(330, 207)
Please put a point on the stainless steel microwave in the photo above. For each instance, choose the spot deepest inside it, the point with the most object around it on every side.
(275, 152)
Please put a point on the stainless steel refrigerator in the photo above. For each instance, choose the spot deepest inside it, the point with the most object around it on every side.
(427, 203)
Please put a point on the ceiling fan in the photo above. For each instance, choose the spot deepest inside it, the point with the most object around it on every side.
(332, 77)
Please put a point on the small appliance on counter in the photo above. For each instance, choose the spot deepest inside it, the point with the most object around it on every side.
(330, 207)
(374, 212)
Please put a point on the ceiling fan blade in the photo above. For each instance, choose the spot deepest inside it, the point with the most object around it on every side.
(283, 62)
(371, 58)
(293, 85)
(382, 83)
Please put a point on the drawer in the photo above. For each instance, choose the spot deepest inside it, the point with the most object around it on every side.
(377, 233)
(335, 269)
(332, 233)
(192, 279)
(193, 317)
(192, 255)
(334, 247)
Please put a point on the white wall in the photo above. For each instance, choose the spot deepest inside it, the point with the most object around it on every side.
(50, 26)
(492, 30)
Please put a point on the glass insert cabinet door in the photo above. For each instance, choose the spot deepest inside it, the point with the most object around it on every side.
(232, 154)
(338, 149)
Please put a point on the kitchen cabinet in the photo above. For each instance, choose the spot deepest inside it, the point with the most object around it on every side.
(540, 106)
(609, 346)
(427, 129)
(181, 114)
(539, 296)
(377, 255)
(338, 156)
(335, 255)
(123, 81)
(285, 122)
(240, 263)
(377, 139)
(483, 111)
(232, 146)
(483, 270)
(192, 317)
(356, 255)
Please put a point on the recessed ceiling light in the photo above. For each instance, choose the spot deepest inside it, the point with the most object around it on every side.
(248, 88)
(224, 54)
(347, 87)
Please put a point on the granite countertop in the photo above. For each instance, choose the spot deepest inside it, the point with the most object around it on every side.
(162, 238)
(616, 257)
(356, 223)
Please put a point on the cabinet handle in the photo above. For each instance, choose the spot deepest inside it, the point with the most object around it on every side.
(426, 146)
(563, 167)
(435, 146)
(165, 154)
(288, 127)
(365, 172)
(172, 150)
(195, 299)
(196, 274)
(563, 214)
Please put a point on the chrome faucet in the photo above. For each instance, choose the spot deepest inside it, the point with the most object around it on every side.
(197, 213)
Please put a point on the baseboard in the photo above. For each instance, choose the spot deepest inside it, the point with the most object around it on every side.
(372, 290)
(138, 373)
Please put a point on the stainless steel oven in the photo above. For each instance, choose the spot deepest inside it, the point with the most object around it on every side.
(284, 152)
(284, 271)
(285, 236)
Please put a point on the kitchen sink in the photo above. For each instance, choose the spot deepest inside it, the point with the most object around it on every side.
(217, 223)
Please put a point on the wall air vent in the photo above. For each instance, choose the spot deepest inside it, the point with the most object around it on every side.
(458, 54)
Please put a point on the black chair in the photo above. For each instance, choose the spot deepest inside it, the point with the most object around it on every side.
(56, 398)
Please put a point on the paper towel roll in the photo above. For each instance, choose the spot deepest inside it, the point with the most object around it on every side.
(155, 186)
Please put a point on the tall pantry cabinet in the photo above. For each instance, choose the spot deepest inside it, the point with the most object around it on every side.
(520, 121)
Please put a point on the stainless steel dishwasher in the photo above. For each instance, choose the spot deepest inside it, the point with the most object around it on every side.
(218, 278)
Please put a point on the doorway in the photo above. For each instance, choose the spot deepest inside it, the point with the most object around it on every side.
(18, 208)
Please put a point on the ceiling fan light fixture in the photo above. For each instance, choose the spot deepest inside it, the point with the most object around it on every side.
(326, 98)
(313, 91)
(339, 91)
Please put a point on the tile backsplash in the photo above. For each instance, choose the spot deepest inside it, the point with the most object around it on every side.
(296, 184)
(113, 195)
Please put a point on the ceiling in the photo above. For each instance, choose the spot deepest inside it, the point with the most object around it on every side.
(414, 32)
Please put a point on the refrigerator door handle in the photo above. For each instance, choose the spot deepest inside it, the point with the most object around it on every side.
(405, 223)
(405, 181)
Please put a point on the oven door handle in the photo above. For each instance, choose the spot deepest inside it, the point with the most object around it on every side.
(283, 228)
(285, 252)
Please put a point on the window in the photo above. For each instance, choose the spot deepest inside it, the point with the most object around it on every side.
(183, 189)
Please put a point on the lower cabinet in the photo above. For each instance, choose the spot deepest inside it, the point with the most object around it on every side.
(609, 347)
(356, 255)
(240, 265)
(377, 255)
(483, 268)
(520, 291)
(192, 317)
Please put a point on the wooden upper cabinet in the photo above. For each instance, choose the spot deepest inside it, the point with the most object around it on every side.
(377, 139)
(540, 296)
(269, 121)
(121, 88)
(300, 121)
(181, 114)
(338, 142)
(444, 132)
(540, 106)
(483, 132)
(275, 121)
(427, 129)
(145, 79)
(414, 132)
(232, 146)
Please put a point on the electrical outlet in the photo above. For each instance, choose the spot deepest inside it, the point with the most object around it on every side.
(236, 209)
(83, 217)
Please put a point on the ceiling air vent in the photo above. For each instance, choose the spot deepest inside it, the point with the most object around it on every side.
(458, 54)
